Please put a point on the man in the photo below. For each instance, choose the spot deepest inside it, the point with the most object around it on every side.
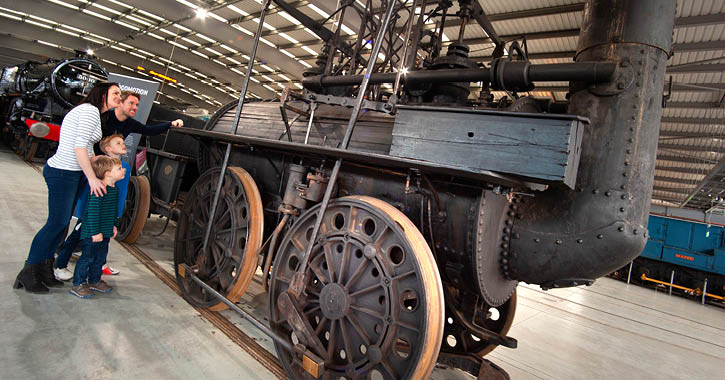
(120, 121)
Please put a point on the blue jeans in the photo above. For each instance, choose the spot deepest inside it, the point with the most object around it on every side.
(66, 251)
(64, 186)
(90, 265)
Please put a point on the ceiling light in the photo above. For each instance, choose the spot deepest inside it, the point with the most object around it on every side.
(89, 51)
(201, 12)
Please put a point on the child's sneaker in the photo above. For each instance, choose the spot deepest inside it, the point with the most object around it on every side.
(81, 291)
(110, 271)
(101, 287)
(62, 274)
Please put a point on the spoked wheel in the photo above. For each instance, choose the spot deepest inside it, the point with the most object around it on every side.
(230, 259)
(461, 340)
(136, 210)
(373, 292)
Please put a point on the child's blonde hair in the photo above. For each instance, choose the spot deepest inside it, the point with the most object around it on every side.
(106, 141)
(104, 164)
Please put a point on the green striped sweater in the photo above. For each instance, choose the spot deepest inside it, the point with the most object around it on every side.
(100, 215)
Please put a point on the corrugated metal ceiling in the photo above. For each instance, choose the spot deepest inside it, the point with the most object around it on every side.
(210, 56)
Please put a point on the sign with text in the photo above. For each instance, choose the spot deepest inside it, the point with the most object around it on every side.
(147, 89)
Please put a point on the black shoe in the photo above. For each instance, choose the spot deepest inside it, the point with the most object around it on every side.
(29, 278)
(46, 274)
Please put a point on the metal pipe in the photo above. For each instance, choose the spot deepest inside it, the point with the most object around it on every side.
(242, 95)
(629, 274)
(686, 289)
(672, 280)
(297, 284)
(286, 123)
(704, 292)
(408, 32)
(270, 252)
(564, 237)
(266, 330)
(517, 74)
(313, 107)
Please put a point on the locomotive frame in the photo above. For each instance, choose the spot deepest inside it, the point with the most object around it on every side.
(380, 258)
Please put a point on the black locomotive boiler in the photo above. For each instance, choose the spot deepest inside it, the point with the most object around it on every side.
(393, 215)
(35, 96)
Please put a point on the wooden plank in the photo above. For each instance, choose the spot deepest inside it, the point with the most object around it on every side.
(536, 147)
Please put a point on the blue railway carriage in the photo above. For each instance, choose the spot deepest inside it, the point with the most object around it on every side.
(689, 243)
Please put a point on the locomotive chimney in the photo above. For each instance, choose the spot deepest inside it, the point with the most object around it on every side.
(565, 237)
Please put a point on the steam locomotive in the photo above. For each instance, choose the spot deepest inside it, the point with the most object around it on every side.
(34, 98)
(393, 215)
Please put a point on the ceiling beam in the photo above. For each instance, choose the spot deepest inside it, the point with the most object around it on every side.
(698, 135)
(676, 180)
(697, 68)
(691, 120)
(696, 105)
(715, 171)
(695, 148)
(217, 30)
(676, 169)
(678, 47)
(689, 160)
(678, 190)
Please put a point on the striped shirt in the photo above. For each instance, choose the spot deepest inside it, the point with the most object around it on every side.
(101, 214)
(81, 128)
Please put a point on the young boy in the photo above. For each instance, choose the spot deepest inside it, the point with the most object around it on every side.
(100, 219)
(112, 146)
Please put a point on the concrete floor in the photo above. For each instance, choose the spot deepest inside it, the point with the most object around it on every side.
(142, 330)
(145, 331)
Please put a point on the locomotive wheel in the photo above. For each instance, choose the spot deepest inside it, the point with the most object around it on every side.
(136, 210)
(230, 259)
(30, 148)
(373, 292)
(460, 340)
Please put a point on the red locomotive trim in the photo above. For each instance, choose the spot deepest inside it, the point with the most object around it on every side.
(53, 135)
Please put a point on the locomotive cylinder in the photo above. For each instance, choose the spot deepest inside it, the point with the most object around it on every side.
(565, 237)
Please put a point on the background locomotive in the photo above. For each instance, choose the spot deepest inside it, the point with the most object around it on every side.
(685, 247)
(34, 98)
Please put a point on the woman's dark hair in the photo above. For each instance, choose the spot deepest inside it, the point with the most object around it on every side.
(97, 96)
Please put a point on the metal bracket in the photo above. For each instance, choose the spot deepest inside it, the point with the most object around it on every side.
(623, 79)
(344, 101)
(289, 307)
(475, 365)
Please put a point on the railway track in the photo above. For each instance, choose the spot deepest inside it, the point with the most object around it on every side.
(236, 335)
(244, 341)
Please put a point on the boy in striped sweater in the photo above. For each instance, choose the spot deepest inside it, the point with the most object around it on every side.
(100, 219)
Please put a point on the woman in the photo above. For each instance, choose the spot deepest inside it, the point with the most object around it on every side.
(63, 173)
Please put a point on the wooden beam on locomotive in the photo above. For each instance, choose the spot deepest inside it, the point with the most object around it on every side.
(376, 159)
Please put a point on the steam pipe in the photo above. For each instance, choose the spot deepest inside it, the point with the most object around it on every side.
(517, 73)
(569, 237)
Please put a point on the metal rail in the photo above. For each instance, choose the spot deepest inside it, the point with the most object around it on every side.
(242, 95)
(186, 271)
(261, 355)
(672, 285)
